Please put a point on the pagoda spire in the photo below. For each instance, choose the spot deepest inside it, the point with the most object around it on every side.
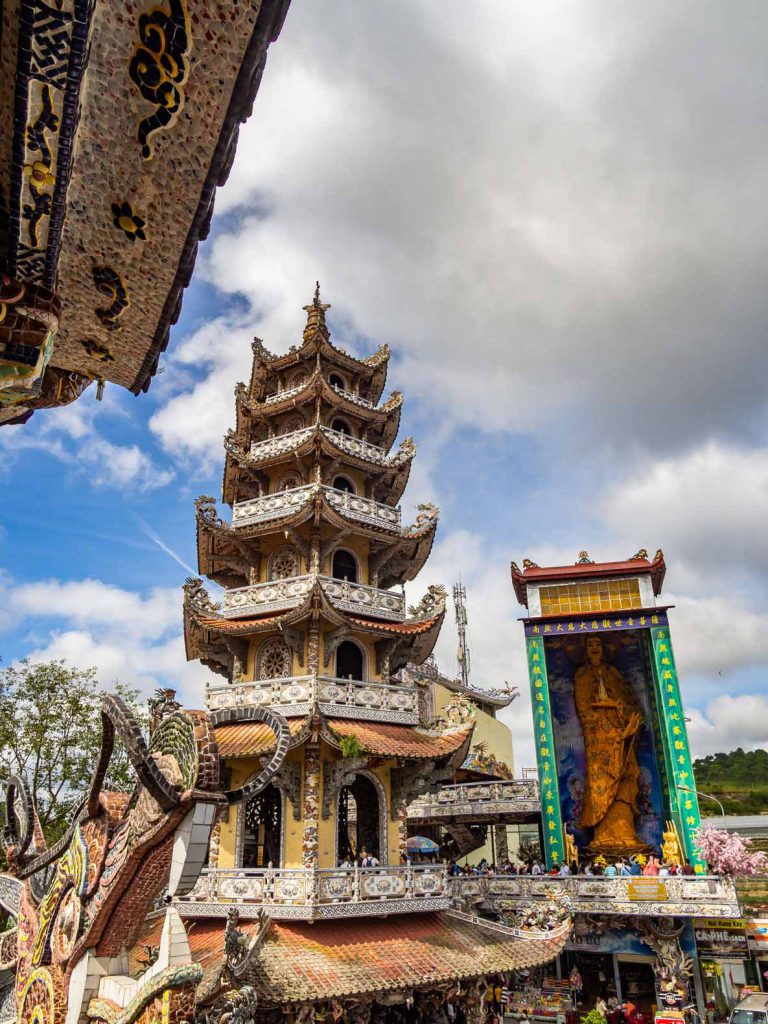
(316, 316)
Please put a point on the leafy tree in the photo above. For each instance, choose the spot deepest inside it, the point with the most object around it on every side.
(50, 729)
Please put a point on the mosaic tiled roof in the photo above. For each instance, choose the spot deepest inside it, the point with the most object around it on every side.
(300, 962)
(400, 740)
(250, 739)
(114, 238)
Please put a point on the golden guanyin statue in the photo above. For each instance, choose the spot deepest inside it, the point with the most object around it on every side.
(610, 720)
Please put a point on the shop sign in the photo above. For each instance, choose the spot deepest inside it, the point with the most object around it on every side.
(721, 937)
(757, 934)
(650, 888)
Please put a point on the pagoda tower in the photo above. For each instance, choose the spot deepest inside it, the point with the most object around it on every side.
(312, 621)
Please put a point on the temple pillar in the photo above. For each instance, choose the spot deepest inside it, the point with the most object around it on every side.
(311, 805)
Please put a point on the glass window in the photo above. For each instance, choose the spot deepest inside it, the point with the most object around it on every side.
(601, 595)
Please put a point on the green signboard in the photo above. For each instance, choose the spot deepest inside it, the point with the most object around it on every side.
(552, 822)
(682, 786)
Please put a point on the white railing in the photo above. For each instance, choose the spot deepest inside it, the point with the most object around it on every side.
(278, 396)
(471, 799)
(351, 397)
(280, 595)
(261, 598)
(272, 506)
(365, 510)
(307, 893)
(285, 503)
(356, 446)
(271, 447)
(338, 698)
(693, 896)
(349, 698)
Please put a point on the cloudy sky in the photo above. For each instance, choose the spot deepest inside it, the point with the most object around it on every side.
(555, 214)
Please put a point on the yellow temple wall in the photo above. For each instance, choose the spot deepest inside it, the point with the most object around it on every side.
(359, 547)
(495, 734)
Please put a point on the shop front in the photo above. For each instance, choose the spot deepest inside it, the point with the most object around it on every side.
(614, 962)
(757, 943)
(727, 970)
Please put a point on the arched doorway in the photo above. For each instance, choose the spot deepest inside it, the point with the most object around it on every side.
(263, 821)
(349, 661)
(341, 426)
(343, 483)
(344, 566)
(359, 820)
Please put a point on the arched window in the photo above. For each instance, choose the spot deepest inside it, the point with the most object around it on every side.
(361, 820)
(336, 381)
(288, 481)
(294, 422)
(274, 661)
(344, 566)
(342, 483)
(349, 661)
(341, 426)
(284, 563)
(298, 379)
(263, 824)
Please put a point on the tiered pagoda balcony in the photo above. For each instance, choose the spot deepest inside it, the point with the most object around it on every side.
(283, 444)
(282, 595)
(333, 697)
(478, 803)
(308, 894)
(352, 506)
(673, 896)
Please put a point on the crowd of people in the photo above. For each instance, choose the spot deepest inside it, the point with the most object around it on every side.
(639, 866)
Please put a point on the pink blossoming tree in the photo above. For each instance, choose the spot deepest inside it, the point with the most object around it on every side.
(729, 853)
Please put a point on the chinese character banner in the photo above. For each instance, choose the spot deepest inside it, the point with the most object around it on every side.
(676, 737)
(552, 827)
(583, 624)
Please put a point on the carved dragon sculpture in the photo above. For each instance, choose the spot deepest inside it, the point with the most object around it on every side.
(81, 903)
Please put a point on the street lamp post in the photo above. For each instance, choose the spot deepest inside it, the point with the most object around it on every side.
(707, 796)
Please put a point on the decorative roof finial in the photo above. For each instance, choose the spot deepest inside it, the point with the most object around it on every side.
(316, 316)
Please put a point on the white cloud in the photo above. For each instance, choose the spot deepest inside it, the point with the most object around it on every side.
(497, 194)
(127, 636)
(95, 603)
(710, 506)
(729, 722)
(70, 434)
(192, 423)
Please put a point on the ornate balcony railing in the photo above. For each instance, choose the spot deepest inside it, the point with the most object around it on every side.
(472, 801)
(365, 510)
(278, 396)
(271, 506)
(284, 503)
(308, 894)
(281, 595)
(281, 444)
(350, 396)
(676, 895)
(337, 698)
(356, 446)
(384, 702)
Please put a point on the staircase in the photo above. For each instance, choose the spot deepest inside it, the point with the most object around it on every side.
(467, 838)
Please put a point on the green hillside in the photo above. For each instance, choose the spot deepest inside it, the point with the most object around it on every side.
(738, 779)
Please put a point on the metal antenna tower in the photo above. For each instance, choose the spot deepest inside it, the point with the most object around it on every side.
(459, 603)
